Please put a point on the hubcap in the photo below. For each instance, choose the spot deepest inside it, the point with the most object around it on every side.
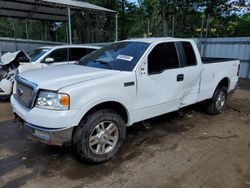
(104, 137)
(221, 99)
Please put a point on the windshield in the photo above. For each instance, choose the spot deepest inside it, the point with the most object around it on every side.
(36, 54)
(121, 56)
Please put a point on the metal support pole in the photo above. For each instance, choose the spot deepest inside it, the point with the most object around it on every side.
(202, 25)
(205, 40)
(27, 34)
(69, 26)
(116, 27)
(14, 32)
(45, 31)
(148, 28)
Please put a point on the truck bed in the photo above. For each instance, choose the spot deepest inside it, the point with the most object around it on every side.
(207, 60)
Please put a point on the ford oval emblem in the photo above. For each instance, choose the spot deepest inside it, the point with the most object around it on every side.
(20, 91)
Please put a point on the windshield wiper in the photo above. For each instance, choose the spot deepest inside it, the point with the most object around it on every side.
(103, 62)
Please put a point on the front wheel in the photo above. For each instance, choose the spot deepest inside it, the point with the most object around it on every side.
(99, 136)
(217, 104)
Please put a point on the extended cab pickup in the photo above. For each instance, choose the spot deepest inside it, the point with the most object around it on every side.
(90, 104)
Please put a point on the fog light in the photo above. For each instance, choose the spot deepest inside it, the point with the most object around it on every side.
(41, 134)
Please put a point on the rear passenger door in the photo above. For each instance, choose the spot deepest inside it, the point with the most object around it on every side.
(75, 54)
(159, 82)
(191, 71)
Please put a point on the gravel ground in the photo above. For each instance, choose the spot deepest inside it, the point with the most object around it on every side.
(196, 150)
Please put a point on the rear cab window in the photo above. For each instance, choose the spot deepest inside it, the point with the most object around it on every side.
(189, 57)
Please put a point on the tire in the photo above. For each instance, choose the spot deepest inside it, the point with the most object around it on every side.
(99, 136)
(217, 104)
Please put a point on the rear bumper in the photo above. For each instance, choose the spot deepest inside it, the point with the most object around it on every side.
(46, 135)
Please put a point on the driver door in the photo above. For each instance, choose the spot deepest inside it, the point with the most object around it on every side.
(159, 82)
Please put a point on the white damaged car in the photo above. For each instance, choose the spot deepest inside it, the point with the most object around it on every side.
(19, 62)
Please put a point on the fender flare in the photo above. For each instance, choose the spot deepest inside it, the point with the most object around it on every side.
(97, 102)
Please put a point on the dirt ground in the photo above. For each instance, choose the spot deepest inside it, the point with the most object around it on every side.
(197, 150)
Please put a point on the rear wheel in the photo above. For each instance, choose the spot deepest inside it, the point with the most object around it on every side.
(99, 136)
(217, 104)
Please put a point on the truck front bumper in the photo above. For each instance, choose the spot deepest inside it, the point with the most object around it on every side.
(45, 135)
(47, 126)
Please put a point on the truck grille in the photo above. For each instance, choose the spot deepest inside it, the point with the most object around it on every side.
(24, 94)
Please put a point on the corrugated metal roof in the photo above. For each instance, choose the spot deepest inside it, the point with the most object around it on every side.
(54, 10)
(77, 4)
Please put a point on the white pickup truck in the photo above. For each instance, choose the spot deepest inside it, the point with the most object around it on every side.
(90, 104)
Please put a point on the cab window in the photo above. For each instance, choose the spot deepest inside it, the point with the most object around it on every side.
(163, 56)
(189, 55)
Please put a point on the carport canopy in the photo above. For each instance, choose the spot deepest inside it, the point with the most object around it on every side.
(51, 10)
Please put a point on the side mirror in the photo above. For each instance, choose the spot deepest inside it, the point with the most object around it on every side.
(23, 59)
(49, 60)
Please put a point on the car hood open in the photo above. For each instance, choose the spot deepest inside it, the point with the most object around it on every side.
(10, 57)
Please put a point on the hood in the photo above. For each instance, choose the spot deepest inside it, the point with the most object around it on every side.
(24, 67)
(10, 57)
(57, 77)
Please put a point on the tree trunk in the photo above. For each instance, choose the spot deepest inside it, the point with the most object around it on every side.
(88, 28)
(165, 24)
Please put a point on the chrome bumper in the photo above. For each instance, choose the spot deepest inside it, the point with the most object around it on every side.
(46, 135)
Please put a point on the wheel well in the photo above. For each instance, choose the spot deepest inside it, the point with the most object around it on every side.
(117, 107)
(224, 82)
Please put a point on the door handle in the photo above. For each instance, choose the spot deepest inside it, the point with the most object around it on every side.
(180, 77)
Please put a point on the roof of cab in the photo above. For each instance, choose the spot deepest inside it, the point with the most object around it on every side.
(154, 39)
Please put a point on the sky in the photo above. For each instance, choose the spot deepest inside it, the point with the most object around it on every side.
(133, 1)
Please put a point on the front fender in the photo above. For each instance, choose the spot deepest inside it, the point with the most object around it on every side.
(98, 101)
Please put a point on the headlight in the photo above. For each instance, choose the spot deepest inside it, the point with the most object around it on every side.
(53, 101)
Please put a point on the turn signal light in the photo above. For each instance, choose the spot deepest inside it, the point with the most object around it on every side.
(65, 101)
